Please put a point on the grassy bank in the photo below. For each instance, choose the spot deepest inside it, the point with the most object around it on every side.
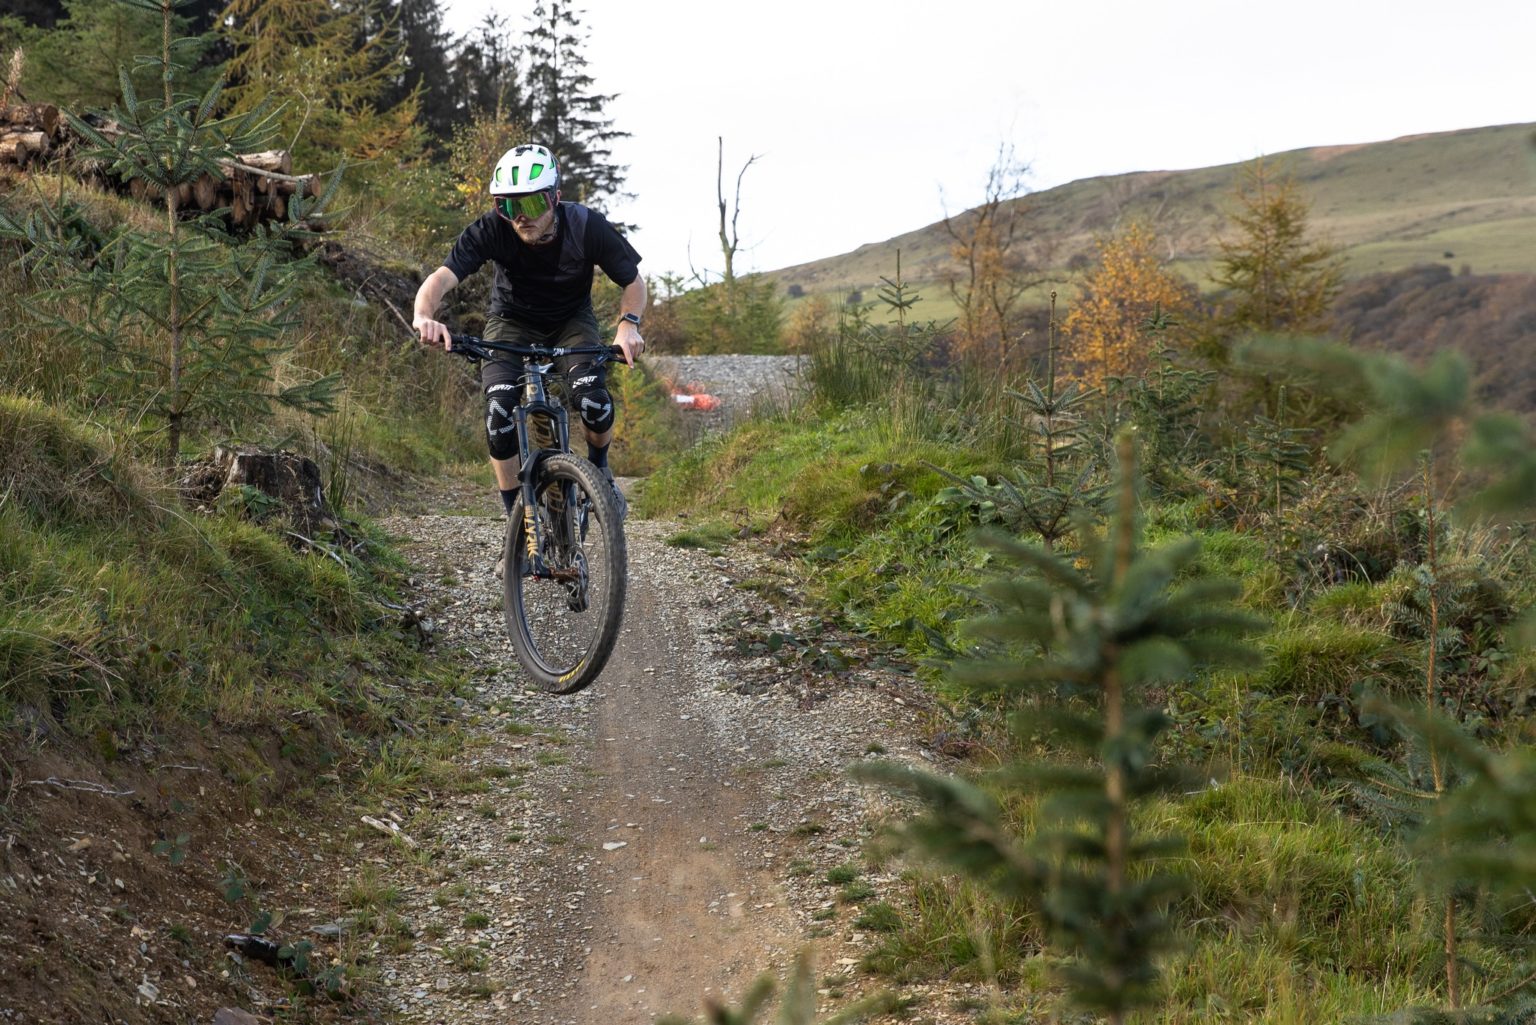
(1304, 900)
(124, 613)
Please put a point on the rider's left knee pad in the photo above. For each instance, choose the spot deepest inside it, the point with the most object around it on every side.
(589, 395)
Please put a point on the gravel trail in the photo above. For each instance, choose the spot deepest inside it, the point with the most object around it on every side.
(740, 383)
(659, 839)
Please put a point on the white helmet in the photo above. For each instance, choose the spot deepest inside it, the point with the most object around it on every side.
(525, 169)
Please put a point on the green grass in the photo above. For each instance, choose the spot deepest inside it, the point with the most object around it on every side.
(1295, 910)
(859, 489)
(841, 874)
(1315, 659)
(368, 892)
(119, 610)
(711, 537)
(467, 958)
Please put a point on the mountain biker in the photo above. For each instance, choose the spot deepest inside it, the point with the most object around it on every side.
(544, 251)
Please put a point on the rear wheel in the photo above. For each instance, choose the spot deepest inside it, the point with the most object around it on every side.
(565, 576)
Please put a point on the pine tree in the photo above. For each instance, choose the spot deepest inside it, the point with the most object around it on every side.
(1473, 806)
(424, 72)
(487, 76)
(76, 64)
(564, 113)
(186, 319)
(1281, 280)
(1075, 650)
(326, 66)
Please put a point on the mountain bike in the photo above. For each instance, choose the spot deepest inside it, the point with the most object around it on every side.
(565, 569)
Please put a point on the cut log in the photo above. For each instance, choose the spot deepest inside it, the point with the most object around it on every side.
(14, 149)
(21, 147)
(43, 117)
(245, 209)
(254, 186)
(206, 192)
(276, 160)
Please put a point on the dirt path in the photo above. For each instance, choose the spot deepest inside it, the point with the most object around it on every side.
(658, 840)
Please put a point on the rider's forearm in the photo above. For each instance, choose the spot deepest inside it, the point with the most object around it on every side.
(633, 298)
(432, 290)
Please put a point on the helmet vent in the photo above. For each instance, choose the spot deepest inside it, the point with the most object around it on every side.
(535, 171)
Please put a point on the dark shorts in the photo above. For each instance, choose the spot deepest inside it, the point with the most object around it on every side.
(581, 329)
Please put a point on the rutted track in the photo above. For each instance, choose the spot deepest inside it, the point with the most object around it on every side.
(656, 840)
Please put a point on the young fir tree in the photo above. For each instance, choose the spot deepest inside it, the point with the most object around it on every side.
(1080, 650)
(1279, 280)
(1473, 804)
(564, 113)
(186, 319)
(1274, 459)
(1166, 406)
(1055, 486)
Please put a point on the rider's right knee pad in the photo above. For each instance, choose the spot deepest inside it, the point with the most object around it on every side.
(500, 428)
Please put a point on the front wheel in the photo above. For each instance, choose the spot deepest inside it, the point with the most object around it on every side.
(563, 587)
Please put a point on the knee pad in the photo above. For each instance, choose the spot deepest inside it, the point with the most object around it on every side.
(500, 428)
(590, 397)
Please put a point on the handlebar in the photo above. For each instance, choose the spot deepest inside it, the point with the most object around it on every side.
(479, 349)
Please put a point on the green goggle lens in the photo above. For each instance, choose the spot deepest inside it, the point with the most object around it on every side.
(532, 206)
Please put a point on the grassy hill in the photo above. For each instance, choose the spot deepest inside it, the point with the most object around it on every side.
(1465, 198)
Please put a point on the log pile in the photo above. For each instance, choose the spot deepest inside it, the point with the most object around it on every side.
(28, 132)
(254, 187)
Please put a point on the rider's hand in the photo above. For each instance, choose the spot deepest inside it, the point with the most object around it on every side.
(432, 332)
(628, 338)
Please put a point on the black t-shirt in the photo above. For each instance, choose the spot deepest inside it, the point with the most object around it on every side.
(549, 284)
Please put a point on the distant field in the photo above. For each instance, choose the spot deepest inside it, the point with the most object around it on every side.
(1389, 205)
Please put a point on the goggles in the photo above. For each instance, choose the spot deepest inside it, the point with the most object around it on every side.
(532, 205)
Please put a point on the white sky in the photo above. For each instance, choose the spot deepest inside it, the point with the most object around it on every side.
(870, 118)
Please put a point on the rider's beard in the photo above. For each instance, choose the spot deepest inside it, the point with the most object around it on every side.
(539, 232)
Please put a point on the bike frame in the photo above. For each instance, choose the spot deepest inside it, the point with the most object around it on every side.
(535, 401)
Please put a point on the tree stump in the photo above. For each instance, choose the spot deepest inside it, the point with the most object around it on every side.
(290, 483)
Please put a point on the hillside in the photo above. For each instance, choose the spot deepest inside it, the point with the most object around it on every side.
(1465, 198)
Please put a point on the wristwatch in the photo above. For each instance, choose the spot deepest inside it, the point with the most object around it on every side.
(633, 318)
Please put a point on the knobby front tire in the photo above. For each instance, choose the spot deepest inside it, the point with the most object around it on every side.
(564, 604)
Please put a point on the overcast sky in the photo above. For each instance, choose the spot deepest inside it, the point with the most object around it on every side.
(870, 119)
